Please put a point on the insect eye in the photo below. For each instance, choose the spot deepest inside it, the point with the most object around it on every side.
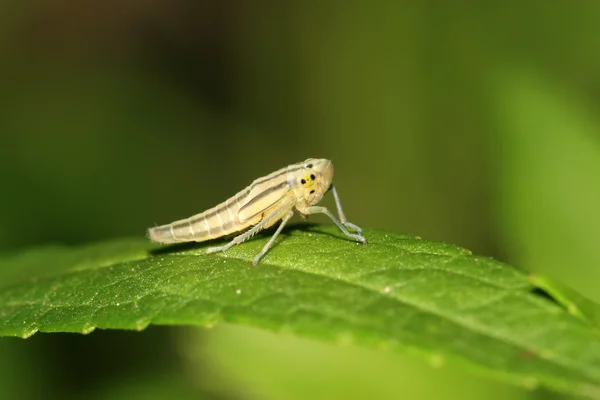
(309, 166)
(307, 180)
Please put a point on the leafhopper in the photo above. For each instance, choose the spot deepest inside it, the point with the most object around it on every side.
(262, 204)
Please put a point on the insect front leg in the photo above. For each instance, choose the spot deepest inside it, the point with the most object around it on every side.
(341, 213)
(323, 210)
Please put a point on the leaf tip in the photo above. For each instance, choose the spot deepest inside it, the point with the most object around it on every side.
(29, 333)
(142, 324)
(88, 329)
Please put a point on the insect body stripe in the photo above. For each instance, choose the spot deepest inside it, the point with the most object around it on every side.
(191, 228)
(263, 199)
(218, 215)
(279, 173)
(213, 222)
(208, 213)
(206, 227)
(242, 196)
(180, 230)
(231, 216)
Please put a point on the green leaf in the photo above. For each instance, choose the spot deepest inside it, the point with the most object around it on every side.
(572, 301)
(397, 293)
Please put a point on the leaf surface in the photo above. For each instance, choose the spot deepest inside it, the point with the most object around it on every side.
(397, 293)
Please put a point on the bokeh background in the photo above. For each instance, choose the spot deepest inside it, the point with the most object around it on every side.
(464, 122)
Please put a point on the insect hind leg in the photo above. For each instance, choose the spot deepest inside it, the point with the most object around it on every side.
(267, 221)
(238, 239)
(286, 218)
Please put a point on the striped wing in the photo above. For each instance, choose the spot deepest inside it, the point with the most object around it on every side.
(262, 196)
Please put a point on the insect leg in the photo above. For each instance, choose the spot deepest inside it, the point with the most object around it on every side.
(341, 212)
(285, 219)
(246, 235)
(238, 239)
(342, 226)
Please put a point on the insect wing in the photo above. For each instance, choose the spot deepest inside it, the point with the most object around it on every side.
(262, 197)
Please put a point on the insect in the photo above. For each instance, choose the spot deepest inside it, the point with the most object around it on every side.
(260, 205)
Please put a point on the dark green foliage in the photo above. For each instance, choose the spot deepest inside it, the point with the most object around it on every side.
(397, 293)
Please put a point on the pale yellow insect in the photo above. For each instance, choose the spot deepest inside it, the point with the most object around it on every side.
(266, 201)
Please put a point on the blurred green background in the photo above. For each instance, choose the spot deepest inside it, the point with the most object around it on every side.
(456, 121)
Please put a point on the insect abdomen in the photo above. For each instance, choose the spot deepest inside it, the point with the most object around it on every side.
(237, 213)
(210, 224)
